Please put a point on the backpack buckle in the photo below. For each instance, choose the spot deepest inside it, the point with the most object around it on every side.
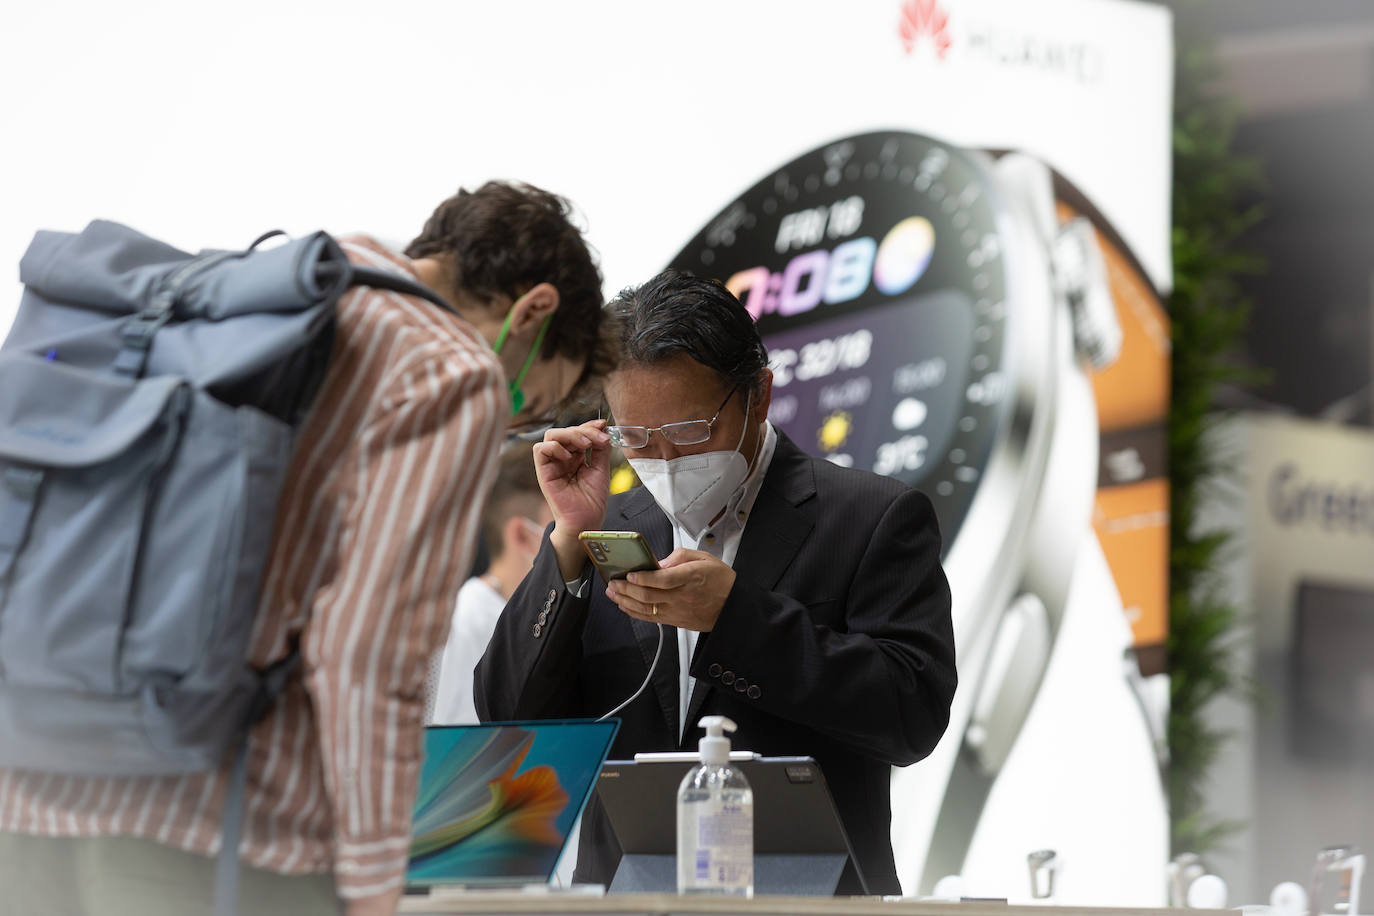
(18, 497)
(22, 481)
(138, 332)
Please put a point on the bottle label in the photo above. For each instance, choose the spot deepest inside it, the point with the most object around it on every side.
(716, 847)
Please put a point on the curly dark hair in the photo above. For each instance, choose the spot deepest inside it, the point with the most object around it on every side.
(505, 238)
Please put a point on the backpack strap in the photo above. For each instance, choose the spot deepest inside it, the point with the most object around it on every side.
(271, 683)
(380, 279)
(18, 496)
(231, 832)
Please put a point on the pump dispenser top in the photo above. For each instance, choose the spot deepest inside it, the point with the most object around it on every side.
(715, 747)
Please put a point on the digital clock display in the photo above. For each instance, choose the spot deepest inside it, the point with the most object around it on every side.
(873, 267)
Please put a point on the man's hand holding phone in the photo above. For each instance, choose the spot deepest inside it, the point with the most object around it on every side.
(689, 591)
(573, 464)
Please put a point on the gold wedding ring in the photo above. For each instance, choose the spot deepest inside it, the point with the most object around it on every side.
(655, 609)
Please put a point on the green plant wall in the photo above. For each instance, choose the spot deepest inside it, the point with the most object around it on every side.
(1214, 191)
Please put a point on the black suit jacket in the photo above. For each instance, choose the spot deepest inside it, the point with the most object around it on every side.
(835, 642)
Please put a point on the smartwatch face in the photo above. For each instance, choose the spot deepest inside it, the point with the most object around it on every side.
(873, 267)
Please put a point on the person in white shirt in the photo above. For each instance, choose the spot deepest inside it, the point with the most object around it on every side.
(513, 523)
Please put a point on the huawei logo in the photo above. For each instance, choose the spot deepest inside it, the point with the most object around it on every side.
(924, 17)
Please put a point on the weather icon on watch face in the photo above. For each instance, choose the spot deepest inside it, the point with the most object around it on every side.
(834, 431)
(909, 414)
(904, 255)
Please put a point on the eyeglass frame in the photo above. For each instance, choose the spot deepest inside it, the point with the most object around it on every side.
(533, 430)
(615, 431)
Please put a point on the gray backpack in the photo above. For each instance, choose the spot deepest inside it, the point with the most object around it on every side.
(149, 400)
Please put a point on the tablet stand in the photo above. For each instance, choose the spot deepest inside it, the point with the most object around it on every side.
(790, 875)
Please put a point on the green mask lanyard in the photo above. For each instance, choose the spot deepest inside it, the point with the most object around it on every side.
(517, 395)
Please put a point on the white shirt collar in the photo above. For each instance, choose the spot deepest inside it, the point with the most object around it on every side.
(741, 503)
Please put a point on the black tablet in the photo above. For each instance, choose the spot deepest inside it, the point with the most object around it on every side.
(799, 841)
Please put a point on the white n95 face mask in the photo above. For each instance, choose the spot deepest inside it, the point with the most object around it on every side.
(692, 490)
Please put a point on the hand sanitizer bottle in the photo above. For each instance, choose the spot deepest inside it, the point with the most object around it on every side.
(715, 821)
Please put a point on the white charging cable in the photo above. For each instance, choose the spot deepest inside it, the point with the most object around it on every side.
(652, 667)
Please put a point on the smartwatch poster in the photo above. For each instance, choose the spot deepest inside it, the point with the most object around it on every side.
(929, 315)
(949, 217)
(964, 316)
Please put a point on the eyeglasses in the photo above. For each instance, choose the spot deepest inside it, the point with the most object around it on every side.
(688, 432)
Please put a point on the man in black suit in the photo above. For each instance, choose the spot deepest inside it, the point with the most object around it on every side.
(803, 600)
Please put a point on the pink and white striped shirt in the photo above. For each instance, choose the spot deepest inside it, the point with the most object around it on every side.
(374, 534)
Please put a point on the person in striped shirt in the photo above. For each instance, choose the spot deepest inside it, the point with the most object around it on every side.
(374, 533)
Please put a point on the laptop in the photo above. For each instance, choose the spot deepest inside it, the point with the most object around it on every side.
(497, 802)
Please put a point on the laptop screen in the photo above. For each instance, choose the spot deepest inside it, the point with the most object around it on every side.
(497, 802)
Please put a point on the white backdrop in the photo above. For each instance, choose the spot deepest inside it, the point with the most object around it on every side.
(208, 124)
(205, 124)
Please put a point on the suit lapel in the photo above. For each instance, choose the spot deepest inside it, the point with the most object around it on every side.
(642, 514)
(776, 529)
